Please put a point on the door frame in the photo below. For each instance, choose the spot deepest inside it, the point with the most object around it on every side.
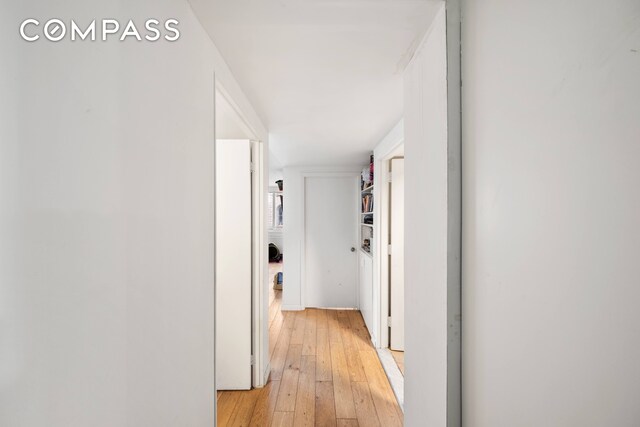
(259, 269)
(259, 321)
(303, 221)
(389, 212)
(381, 292)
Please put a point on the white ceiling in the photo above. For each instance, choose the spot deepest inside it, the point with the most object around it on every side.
(324, 75)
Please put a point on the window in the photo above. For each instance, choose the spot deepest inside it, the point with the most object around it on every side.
(274, 209)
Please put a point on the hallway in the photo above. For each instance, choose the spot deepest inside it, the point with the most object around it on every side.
(324, 372)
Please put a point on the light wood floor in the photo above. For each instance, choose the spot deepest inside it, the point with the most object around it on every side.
(324, 372)
(398, 356)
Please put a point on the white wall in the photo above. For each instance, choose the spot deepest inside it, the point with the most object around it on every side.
(551, 104)
(106, 218)
(292, 297)
(293, 235)
(274, 175)
(426, 226)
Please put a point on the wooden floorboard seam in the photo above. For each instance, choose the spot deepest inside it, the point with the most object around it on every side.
(324, 372)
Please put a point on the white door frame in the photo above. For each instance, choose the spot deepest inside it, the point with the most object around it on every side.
(382, 156)
(259, 322)
(452, 392)
(395, 260)
(260, 265)
(303, 251)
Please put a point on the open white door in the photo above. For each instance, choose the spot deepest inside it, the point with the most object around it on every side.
(397, 255)
(233, 264)
(331, 235)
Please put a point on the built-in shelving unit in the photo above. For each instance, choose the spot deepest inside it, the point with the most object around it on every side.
(366, 210)
(367, 252)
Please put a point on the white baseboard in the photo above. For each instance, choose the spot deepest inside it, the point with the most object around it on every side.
(266, 374)
(396, 378)
(291, 308)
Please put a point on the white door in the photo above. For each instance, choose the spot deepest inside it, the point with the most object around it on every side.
(366, 289)
(397, 254)
(331, 236)
(233, 265)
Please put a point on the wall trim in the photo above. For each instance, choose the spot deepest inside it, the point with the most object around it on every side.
(265, 375)
(291, 307)
(454, 208)
(382, 154)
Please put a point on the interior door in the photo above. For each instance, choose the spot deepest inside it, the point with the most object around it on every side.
(233, 264)
(397, 254)
(331, 235)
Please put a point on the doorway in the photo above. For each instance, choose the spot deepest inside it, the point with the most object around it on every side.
(233, 264)
(239, 253)
(396, 260)
(275, 235)
(390, 183)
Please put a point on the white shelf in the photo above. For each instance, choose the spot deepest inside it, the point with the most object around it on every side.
(366, 233)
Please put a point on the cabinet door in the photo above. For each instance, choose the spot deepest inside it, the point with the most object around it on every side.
(362, 287)
(366, 290)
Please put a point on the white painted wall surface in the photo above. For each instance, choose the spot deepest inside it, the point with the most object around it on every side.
(293, 234)
(275, 172)
(106, 218)
(292, 298)
(425, 118)
(551, 225)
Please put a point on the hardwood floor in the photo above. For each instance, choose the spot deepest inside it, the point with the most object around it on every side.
(398, 356)
(324, 372)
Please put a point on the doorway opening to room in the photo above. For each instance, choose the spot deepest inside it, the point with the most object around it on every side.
(382, 257)
(275, 226)
(240, 259)
(392, 235)
(275, 238)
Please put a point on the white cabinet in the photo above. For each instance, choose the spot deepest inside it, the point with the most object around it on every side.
(366, 289)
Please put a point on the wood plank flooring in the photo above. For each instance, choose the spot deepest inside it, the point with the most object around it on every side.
(398, 356)
(324, 372)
